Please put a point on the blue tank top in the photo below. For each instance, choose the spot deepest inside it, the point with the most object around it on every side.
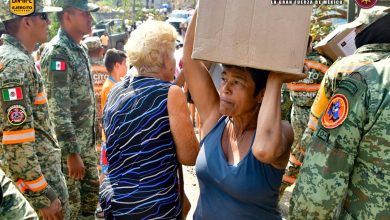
(142, 178)
(248, 190)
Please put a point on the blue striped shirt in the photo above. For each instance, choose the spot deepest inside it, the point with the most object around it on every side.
(142, 178)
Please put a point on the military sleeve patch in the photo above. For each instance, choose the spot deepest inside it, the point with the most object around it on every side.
(58, 65)
(16, 114)
(349, 86)
(11, 82)
(336, 112)
(12, 94)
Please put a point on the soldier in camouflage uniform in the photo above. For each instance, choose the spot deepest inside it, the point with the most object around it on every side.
(99, 74)
(67, 74)
(29, 143)
(302, 94)
(346, 156)
(349, 154)
(12, 203)
(366, 54)
(286, 103)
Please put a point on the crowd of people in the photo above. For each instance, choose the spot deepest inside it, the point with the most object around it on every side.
(83, 135)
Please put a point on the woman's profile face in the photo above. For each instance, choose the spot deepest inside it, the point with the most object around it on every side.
(237, 93)
(169, 67)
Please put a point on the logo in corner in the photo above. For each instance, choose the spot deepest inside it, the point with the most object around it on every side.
(366, 4)
(22, 7)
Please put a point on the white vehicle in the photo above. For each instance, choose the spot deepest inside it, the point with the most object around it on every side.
(177, 17)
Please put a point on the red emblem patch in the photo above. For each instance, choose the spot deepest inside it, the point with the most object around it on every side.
(366, 3)
(16, 115)
(336, 112)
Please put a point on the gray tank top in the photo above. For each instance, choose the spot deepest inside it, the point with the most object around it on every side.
(248, 190)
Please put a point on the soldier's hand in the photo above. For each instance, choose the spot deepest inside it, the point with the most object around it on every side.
(76, 167)
(53, 212)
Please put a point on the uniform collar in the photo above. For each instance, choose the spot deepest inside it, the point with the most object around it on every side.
(97, 61)
(64, 37)
(368, 48)
(10, 40)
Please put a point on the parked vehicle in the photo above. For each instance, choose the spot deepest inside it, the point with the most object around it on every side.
(117, 39)
(178, 17)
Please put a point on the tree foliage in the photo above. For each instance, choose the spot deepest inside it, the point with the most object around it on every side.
(54, 26)
(321, 24)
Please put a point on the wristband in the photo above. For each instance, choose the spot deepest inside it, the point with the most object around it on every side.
(50, 194)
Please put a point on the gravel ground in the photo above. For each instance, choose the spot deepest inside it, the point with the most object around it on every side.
(191, 188)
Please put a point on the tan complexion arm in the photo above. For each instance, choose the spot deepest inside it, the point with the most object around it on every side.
(273, 136)
(200, 84)
(187, 145)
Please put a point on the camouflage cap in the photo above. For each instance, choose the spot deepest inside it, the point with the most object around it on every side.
(93, 43)
(369, 16)
(83, 5)
(6, 15)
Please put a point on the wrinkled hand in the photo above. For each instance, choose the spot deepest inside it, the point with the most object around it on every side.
(286, 78)
(76, 167)
(53, 212)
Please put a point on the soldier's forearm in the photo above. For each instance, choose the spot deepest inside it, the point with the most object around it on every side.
(41, 199)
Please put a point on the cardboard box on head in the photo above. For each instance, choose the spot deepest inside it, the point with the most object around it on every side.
(253, 33)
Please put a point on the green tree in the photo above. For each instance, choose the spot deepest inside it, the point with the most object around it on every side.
(54, 26)
(321, 24)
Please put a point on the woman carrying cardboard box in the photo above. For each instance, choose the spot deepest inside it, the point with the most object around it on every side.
(246, 145)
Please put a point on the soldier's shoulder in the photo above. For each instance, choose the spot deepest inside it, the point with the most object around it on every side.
(377, 71)
(9, 52)
(54, 49)
(316, 56)
(346, 65)
(376, 47)
(16, 67)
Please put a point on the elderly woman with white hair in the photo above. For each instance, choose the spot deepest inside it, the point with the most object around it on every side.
(149, 131)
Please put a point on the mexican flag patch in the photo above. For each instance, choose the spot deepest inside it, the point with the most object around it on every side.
(12, 94)
(58, 65)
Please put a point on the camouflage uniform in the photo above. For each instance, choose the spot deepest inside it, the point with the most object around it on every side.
(100, 74)
(344, 66)
(340, 140)
(67, 74)
(286, 103)
(29, 143)
(12, 203)
(302, 94)
(364, 55)
(349, 155)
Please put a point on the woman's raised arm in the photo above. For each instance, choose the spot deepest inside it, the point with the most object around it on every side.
(273, 136)
(199, 81)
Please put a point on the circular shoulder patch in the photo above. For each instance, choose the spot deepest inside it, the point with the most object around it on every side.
(336, 112)
(16, 115)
